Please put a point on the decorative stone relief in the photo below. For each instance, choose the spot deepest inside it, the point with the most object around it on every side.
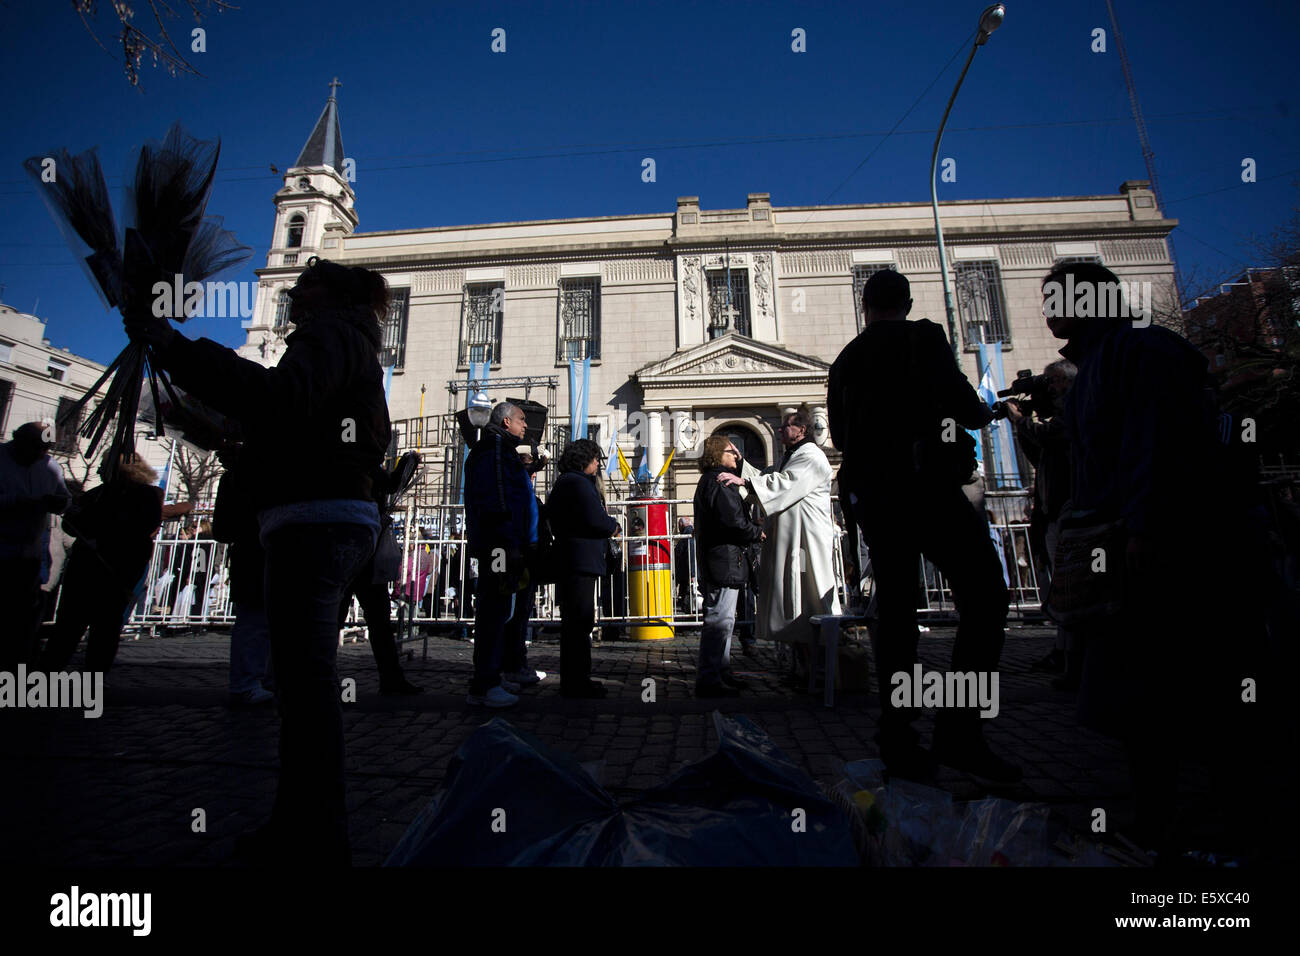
(918, 259)
(638, 270)
(691, 285)
(763, 283)
(1026, 254)
(815, 263)
(533, 276)
(722, 364)
(739, 260)
(437, 280)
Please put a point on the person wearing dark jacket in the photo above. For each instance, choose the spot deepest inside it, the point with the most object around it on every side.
(895, 397)
(1166, 671)
(114, 525)
(581, 526)
(315, 428)
(514, 658)
(500, 530)
(724, 531)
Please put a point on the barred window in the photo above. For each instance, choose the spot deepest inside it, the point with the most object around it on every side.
(65, 435)
(482, 317)
(980, 304)
(564, 435)
(860, 276)
(393, 350)
(728, 316)
(579, 320)
(282, 304)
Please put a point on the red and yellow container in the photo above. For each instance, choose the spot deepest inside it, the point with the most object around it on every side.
(649, 585)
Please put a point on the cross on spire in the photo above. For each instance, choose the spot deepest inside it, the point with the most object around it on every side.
(334, 83)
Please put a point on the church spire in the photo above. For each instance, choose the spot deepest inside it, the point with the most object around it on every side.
(325, 145)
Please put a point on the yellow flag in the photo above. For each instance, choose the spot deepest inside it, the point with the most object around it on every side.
(671, 452)
(623, 466)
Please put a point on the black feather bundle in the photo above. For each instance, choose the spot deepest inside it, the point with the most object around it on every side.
(168, 236)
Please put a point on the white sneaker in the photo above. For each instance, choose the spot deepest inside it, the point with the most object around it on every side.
(525, 678)
(510, 686)
(496, 697)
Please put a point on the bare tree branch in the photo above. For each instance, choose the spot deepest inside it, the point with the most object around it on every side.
(136, 43)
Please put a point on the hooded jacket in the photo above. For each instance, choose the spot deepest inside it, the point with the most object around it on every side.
(316, 425)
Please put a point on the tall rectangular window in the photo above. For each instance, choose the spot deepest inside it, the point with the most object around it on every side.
(482, 318)
(860, 276)
(578, 334)
(564, 434)
(6, 395)
(65, 435)
(393, 349)
(728, 313)
(282, 306)
(980, 304)
(6, 351)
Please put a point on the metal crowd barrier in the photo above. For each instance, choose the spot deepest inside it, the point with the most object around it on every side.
(187, 584)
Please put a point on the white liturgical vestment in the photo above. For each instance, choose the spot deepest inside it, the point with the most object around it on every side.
(797, 576)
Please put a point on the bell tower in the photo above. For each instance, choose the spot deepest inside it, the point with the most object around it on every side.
(314, 210)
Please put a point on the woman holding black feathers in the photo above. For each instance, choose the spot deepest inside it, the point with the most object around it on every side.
(315, 428)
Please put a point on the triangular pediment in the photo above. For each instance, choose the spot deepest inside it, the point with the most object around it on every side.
(733, 355)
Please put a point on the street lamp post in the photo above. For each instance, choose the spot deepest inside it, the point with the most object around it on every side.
(990, 20)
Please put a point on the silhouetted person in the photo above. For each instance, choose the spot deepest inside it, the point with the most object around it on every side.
(895, 397)
(500, 528)
(114, 525)
(315, 427)
(581, 526)
(1167, 670)
(372, 593)
(1042, 437)
(31, 489)
(234, 521)
(724, 530)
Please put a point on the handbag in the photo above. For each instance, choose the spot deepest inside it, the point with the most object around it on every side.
(1081, 592)
(388, 555)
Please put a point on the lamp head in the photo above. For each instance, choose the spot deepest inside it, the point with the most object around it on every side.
(990, 20)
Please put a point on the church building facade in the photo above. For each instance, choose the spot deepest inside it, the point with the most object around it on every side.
(694, 319)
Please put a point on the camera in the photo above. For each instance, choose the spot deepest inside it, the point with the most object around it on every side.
(1031, 392)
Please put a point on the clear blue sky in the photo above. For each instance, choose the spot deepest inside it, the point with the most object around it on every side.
(445, 132)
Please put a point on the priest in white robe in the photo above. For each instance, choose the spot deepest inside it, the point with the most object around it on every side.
(798, 573)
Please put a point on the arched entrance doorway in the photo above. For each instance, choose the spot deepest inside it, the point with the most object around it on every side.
(750, 445)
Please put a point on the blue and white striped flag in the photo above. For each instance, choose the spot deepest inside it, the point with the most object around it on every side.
(579, 385)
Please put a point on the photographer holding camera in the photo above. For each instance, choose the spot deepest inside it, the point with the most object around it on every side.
(1040, 430)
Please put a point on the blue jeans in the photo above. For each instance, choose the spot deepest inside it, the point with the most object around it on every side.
(715, 635)
(308, 566)
(250, 648)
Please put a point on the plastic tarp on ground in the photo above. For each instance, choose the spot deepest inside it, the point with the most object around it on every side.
(510, 800)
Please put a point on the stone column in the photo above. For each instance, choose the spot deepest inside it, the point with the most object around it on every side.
(655, 443)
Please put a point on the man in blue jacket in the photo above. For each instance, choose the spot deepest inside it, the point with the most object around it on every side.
(500, 526)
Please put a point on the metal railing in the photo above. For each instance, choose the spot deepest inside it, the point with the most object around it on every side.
(188, 581)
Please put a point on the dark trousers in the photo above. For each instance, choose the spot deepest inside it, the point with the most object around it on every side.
(92, 598)
(514, 657)
(307, 569)
(374, 602)
(21, 598)
(577, 594)
(944, 526)
(492, 609)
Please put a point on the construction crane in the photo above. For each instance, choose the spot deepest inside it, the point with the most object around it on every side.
(1148, 156)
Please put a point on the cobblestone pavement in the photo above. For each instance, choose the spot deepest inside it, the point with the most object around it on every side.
(121, 789)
